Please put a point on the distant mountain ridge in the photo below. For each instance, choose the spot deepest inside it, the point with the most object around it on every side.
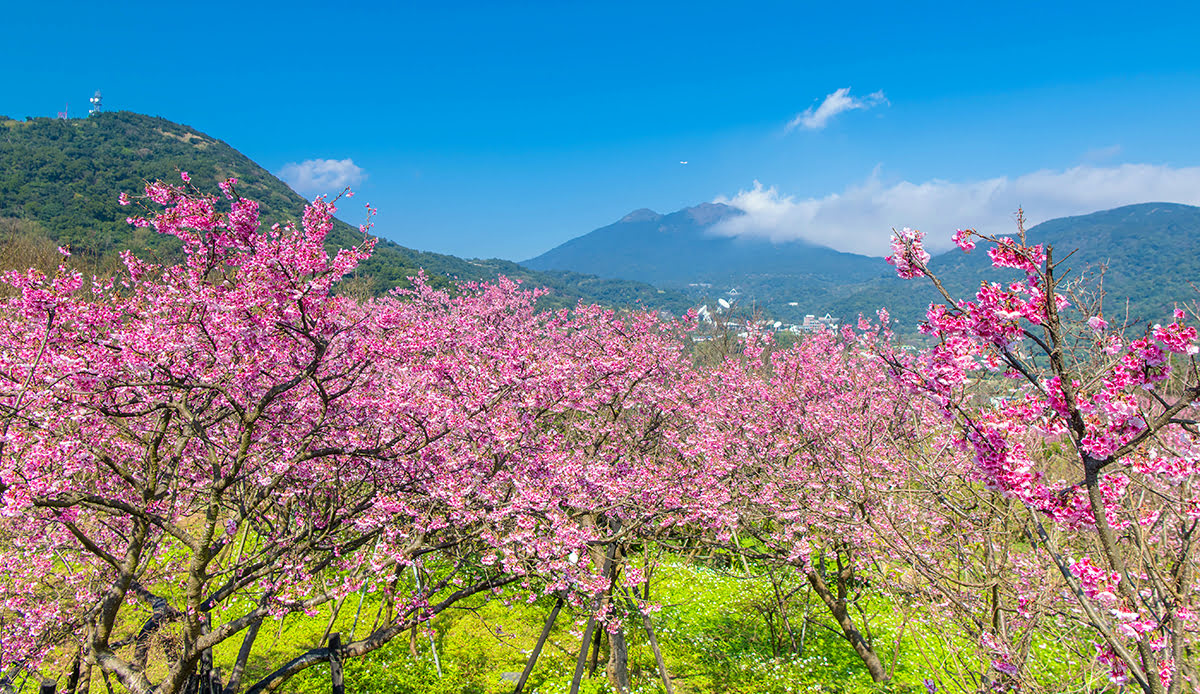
(1150, 252)
(678, 249)
(61, 179)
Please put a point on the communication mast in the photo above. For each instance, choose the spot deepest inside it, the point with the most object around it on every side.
(95, 103)
(62, 115)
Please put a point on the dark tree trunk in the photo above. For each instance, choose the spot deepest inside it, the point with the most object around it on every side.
(618, 661)
(841, 614)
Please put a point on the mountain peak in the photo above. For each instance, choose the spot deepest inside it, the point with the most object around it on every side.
(642, 215)
(707, 213)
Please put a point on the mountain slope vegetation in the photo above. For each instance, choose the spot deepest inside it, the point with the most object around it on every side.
(59, 180)
(1145, 258)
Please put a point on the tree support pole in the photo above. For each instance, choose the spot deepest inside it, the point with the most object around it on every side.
(537, 649)
(581, 663)
(335, 663)
(658, 657)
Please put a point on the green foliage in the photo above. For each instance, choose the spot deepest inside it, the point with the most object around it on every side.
(715, 637)
(65, 176)
(388, 671)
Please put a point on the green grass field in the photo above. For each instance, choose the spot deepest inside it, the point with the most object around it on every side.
(711, 628)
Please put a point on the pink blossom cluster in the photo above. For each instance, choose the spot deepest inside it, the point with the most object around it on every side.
(1007, 252)
(908, 255)
(962, 239)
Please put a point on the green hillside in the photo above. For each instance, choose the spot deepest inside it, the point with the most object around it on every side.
(1149, 255)
(61, 178)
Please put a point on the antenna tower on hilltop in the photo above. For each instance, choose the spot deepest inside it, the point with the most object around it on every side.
(95, 103)
(62, 115)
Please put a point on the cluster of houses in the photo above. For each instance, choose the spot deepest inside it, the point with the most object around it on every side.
(710, 314)
(810, 324)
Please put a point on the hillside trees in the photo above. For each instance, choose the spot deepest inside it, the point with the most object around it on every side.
(61, 176)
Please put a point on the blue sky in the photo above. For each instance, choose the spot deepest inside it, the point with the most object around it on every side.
(504, 129)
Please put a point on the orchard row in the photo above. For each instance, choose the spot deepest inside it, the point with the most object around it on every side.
(189, 454)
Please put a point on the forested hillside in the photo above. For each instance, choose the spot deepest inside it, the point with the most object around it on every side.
(1147, 256)
(59, 179)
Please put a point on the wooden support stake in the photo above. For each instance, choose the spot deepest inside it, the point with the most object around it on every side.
(333, 615)
(203, 677)
(76, 668)
(595, 653)
(48, 686)
(335, 663)
(537, 650)
(581, 663)
(658, 657)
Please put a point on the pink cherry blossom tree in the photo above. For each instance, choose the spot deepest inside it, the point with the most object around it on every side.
(189, 454)
(205, 439)
(192, 453)
(808, 438)
(1093, 434)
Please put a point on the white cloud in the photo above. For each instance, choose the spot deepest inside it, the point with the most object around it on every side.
(838, 102)
(316, 176)
(860, 219)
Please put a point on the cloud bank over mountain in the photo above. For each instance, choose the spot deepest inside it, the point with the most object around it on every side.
(860, 218)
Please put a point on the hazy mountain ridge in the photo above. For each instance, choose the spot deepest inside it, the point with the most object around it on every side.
(64, 176)
(680, 248)
(1150, 253)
